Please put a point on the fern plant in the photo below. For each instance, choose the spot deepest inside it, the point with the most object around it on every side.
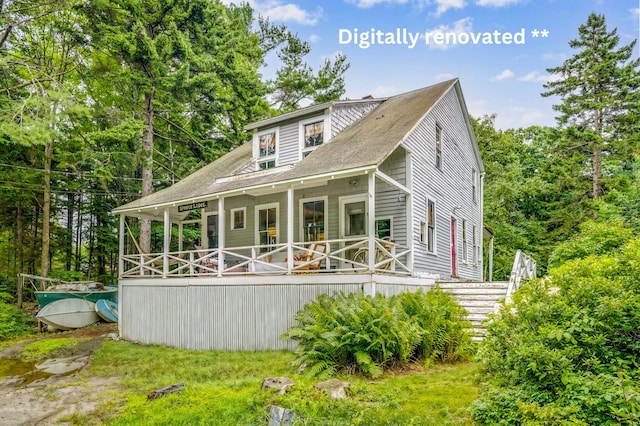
(356, 332)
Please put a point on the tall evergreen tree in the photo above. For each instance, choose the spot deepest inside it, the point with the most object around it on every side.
(600, 91)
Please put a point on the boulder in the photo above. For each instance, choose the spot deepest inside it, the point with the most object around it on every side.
(280, 383)
(334, 388)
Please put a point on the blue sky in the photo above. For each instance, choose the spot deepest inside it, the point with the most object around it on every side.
(492, 47)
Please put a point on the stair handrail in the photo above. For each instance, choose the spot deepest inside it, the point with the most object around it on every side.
(524, 268)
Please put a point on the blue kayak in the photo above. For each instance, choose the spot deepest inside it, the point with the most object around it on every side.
(107, 310)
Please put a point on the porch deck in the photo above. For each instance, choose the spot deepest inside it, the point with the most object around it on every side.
(350, 255)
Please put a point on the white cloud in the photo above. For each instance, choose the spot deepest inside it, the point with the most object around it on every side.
(383, 91)
(369, 3)
(635, 12)
(444, 76)
(504, 75)
(497, 3)
(314, 38)
(554, 56)
(276, 10)
(534, 76)
(517, 116)
(444, 5)
(463, 25)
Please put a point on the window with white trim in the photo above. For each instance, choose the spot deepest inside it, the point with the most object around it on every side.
(266, 149)
(464, 241)
(313, 219)
(384, 228)
(267, 226)
(474, 180)
(431, 226)
(476, 246)
(239, 218)
(312, 134)
(423, 232)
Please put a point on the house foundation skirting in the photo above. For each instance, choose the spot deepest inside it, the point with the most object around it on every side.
(235, 313)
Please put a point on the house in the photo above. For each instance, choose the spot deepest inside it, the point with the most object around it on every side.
(378, 194)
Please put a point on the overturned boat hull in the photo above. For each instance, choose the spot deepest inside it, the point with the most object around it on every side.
(67, 314)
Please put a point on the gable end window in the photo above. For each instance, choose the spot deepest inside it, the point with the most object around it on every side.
(266, 149)
(438, 146)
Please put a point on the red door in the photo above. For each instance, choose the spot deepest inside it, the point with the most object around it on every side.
(454, 265)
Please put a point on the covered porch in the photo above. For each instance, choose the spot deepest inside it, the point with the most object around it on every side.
(264, 223)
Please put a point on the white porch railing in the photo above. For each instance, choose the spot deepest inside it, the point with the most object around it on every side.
(524, 268)
(348, 255)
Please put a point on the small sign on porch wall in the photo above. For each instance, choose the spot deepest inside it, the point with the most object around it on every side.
(193, 206)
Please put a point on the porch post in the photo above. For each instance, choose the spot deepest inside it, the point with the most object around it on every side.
(221, 236)
(290, 230)
(166, 244)
(372, 221)
(121, 246)
(409, 210)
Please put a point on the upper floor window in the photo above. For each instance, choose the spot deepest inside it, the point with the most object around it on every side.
(438, 146)
(312, 135)
(474, 178)
(265, 149)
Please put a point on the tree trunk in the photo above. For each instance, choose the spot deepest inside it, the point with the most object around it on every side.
(69, 234)
(19, 241)
(597, 172)
(147, 169)
(46, 210)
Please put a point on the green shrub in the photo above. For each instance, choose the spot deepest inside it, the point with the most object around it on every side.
(12, 322)
(567, 350)
(595, 238)
(442, 321)
(368, 334)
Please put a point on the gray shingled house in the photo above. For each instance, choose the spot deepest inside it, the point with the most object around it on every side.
(380, 195)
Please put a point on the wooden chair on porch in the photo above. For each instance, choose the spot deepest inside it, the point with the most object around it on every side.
(312, 259)
(204, 261)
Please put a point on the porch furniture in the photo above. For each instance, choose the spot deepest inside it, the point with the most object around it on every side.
(204, 261)
(312, 259)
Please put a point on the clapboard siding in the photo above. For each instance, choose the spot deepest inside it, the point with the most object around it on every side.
(342, 116)
(449, 187)
(237, 315)
(289, 144)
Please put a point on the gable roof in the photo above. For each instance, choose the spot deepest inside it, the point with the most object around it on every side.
(365, 144)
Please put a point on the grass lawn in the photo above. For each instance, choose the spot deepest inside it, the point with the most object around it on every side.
(223, 388)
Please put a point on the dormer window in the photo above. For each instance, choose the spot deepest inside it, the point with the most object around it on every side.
(312, 135)
(265, 149)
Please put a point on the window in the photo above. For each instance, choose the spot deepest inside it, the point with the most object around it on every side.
(476, 247)
(474, 177)
(212, 230)
(312, 135)
(238, 218)
(267, 226)
(431, 226)
(313, 223)
(266, 149)
(423, 230)
(383, 228)
(464, 240)
(438, 146)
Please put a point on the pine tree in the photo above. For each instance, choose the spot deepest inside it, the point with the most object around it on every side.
(599, 88)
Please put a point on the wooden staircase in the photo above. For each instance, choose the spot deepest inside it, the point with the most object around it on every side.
(479, 299)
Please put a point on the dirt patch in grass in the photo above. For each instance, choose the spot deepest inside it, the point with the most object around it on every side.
(50, 398)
